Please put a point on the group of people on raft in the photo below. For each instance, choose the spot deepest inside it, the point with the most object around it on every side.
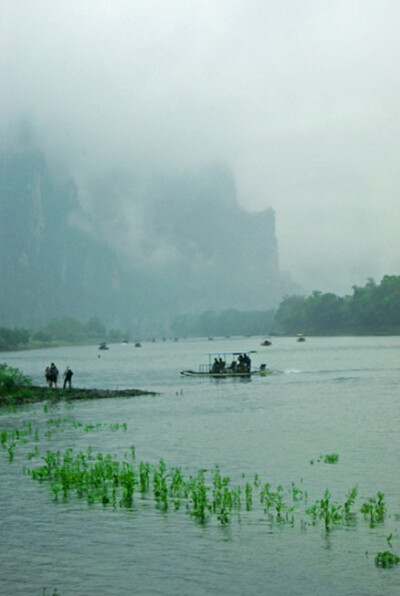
(51, 373)
(242, 365)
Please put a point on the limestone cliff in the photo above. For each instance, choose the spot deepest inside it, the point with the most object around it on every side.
(153, 246)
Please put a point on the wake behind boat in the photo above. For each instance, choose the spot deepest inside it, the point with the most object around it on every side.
(228, 364)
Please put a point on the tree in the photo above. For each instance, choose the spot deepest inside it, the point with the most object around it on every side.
(291, 314)
(95, 327)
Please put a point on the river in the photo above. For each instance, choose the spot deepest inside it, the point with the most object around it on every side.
(325, 396)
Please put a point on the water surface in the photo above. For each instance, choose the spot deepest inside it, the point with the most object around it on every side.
(326, 395)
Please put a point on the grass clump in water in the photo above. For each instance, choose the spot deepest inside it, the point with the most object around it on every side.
(386, 559)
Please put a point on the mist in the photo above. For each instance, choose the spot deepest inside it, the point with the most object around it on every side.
(298, 101)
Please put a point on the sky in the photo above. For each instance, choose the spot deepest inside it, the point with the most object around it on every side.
(299, 99)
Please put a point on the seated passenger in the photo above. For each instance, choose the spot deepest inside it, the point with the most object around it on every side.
(215, 366)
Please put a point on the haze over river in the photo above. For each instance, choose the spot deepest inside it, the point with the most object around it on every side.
(325, 396)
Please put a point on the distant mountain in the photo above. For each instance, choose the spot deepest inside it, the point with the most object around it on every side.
(151, 246)
(48, 267)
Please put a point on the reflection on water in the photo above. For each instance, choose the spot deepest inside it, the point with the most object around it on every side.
(327, 395)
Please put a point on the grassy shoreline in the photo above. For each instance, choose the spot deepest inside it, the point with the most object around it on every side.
(37, 394)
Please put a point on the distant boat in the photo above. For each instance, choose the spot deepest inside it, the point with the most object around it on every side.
(300, 337)
(266, 342)
(138, 344)
(103, 346)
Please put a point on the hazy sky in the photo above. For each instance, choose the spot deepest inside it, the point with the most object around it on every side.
(300, 98)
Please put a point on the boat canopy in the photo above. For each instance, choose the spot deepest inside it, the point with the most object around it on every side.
(235, 353)
(228, 355)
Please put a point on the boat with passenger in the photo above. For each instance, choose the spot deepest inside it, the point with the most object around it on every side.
(228, 364)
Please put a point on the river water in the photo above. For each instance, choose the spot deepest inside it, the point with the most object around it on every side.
(325, 396)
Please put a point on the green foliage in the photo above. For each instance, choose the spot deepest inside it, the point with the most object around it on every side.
(386, 559)
(94, 327)
(11, 339)
(375, 508)
(12, 379)
(371, 309)
(42, 336)
(71, 330)
(104, 479)
(331, 458)
(66, 328)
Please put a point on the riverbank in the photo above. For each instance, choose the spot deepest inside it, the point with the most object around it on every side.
(36, 394)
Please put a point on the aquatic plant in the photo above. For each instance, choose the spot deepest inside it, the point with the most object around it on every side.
(329, 458)
(34, 453)
(374, 508)
(386, 559)
(144, 476)
(324, 509)
(223, 498)
(206, 494)
(350, 500)
(160, 488)
(249, 496)
(273, 502)
(176, 487)
(298, 494)
(10, 450)
(3, 437)
(197, 493)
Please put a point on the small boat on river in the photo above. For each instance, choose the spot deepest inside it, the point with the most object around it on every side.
(228, 364)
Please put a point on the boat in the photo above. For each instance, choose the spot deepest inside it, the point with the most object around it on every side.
(266, 342)
(300, 337)
(103, 346)
(218, 366)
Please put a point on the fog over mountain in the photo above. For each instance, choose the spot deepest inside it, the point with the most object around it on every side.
(147, 246)
(165, 116)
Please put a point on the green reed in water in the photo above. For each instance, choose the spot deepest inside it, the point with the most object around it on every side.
(375, 509)
(205, 495)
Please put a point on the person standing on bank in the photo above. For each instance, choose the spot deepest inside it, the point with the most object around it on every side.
(53, 374)
(67, 377)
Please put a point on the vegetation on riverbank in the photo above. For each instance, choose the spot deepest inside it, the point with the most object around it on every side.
(61, 331)
(17, 389)
(371, 310)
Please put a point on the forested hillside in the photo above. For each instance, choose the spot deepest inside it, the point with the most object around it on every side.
(374, 308)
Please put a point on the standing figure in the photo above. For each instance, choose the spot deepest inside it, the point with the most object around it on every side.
(53, 375)
(47, 374)
(67, 377)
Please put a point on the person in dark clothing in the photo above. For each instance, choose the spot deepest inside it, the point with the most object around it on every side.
(67, 377)
(247, 362)
(53, 375)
